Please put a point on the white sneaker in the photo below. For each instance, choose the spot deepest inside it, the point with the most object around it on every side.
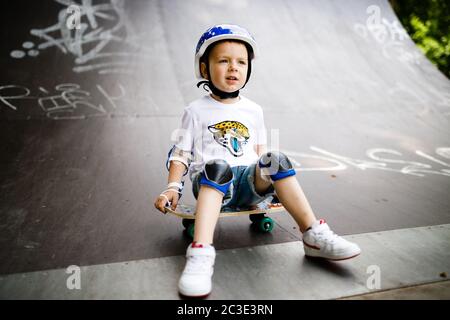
(320, 241)
(195, 280)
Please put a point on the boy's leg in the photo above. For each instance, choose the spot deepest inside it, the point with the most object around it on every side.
(209, 201)
(291, 196)
(318, 239)
(195, 281)
(214, 183)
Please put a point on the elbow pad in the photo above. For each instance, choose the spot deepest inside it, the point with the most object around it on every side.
(177, 154)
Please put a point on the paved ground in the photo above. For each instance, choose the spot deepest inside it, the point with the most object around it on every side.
(390, 260)
(434, 291)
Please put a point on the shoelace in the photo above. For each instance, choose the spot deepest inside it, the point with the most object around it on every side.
(328, 236)
(198, 264)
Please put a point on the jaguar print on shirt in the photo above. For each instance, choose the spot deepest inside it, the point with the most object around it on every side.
(232, 135)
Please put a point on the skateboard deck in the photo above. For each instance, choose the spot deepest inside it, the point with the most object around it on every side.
(188, 211)
(256, 214)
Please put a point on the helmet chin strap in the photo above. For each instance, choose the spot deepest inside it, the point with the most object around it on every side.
(221, 94)
(209, 86)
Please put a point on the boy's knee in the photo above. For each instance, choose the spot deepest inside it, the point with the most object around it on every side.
(275, 165)
(217, 174)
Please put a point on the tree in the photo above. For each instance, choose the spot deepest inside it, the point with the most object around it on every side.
(428, 24)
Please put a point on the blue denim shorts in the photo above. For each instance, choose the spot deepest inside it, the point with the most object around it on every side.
(242, 194)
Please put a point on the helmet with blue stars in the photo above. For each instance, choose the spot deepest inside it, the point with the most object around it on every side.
(222, 32)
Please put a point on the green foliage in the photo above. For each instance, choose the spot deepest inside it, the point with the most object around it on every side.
(428, 24)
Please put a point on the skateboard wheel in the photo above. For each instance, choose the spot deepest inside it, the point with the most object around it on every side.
(187, 222)
(256, 217)
(266, 224)
(190, 230)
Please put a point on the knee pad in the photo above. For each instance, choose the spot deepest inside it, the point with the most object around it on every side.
(275, 165)
(217, 174)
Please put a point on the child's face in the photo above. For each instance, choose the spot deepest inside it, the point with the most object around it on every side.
(228, 64)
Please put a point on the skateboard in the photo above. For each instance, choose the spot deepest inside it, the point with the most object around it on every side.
(256, 215)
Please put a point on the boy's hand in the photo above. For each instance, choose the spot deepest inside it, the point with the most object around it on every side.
(161, 201)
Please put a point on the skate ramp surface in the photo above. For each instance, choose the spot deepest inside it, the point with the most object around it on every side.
(86, 120)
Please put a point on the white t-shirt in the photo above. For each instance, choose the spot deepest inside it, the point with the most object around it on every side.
(214, 130)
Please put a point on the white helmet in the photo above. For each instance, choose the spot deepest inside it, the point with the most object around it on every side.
(222, 32)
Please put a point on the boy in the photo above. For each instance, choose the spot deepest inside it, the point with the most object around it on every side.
(223, 147)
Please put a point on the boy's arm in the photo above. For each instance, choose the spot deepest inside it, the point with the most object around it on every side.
(176, 172)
